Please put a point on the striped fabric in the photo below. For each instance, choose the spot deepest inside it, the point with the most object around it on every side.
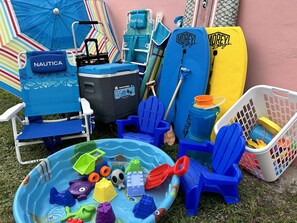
(12, 41)
(97, 11)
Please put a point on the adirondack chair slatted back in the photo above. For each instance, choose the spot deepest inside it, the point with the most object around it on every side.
(228, 148)
(49, 84)
(150, 113)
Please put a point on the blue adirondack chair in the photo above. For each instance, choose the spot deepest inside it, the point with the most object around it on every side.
(49, 91)
(150, 126)
(225, 175)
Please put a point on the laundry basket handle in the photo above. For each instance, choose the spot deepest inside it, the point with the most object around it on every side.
(282, 93)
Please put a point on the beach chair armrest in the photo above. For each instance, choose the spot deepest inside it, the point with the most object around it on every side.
(11, 112)
(86, 108)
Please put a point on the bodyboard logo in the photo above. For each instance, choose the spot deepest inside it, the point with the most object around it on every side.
(218, 39)
(186, 39)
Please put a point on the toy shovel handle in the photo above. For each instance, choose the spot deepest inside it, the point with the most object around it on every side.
(181, 166)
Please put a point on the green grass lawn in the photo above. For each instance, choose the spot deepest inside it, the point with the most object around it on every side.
(260, 201)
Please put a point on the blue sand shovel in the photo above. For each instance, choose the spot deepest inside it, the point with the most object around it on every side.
(169, 137)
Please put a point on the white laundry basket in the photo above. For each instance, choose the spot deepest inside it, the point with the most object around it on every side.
(280, 106)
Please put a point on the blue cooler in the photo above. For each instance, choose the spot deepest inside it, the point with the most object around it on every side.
(111, 89)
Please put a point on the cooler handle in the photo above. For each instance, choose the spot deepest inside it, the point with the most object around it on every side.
(89, 87)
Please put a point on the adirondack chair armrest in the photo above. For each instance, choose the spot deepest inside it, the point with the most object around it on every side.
(162, 128)
(185, 145)
(233, 176)
(131, 120)
(86, 108)
(11, 112)
(236, 171)
(121, 123)
(219, 179)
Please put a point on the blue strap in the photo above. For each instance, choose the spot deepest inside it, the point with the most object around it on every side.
(132, 45)
(51, 142)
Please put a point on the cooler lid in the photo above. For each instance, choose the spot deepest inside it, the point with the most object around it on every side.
(112, 68)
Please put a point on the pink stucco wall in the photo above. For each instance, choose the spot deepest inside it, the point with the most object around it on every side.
(270, 29)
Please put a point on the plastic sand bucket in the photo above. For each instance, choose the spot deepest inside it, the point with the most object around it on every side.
(259, 132)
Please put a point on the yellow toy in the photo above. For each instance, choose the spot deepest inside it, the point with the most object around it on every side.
(257, 145)
(104, 191)
(269, 125)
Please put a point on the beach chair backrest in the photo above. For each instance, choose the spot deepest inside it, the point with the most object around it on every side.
(49, 84)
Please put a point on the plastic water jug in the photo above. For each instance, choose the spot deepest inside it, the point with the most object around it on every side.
(203, 115)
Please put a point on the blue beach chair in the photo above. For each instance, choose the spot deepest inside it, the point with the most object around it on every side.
(225, 175)
(137, 37)
(50, 89)
(149, 123)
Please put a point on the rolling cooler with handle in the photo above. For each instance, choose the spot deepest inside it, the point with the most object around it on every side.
(112, 89)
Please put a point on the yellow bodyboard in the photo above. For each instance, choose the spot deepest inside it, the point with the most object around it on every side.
(228, 65)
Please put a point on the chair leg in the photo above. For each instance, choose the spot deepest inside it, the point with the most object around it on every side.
(230, 193)
(18, 154)
(87, 126)
(19, 158)
(192, 200)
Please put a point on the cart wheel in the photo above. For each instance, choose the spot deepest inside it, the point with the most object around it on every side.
(105, 171)
(93, 177)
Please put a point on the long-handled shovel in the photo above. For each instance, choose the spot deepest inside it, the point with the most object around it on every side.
(169, 137)
(151, 85)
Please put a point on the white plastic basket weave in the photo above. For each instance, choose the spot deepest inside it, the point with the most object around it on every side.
(280, 106)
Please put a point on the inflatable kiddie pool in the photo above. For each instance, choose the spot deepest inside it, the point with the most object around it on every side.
(31, 202)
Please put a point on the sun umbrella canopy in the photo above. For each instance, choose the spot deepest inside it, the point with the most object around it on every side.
(49, 22)
(46, 25)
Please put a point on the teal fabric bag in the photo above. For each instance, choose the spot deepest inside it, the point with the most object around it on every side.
(160, 34)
